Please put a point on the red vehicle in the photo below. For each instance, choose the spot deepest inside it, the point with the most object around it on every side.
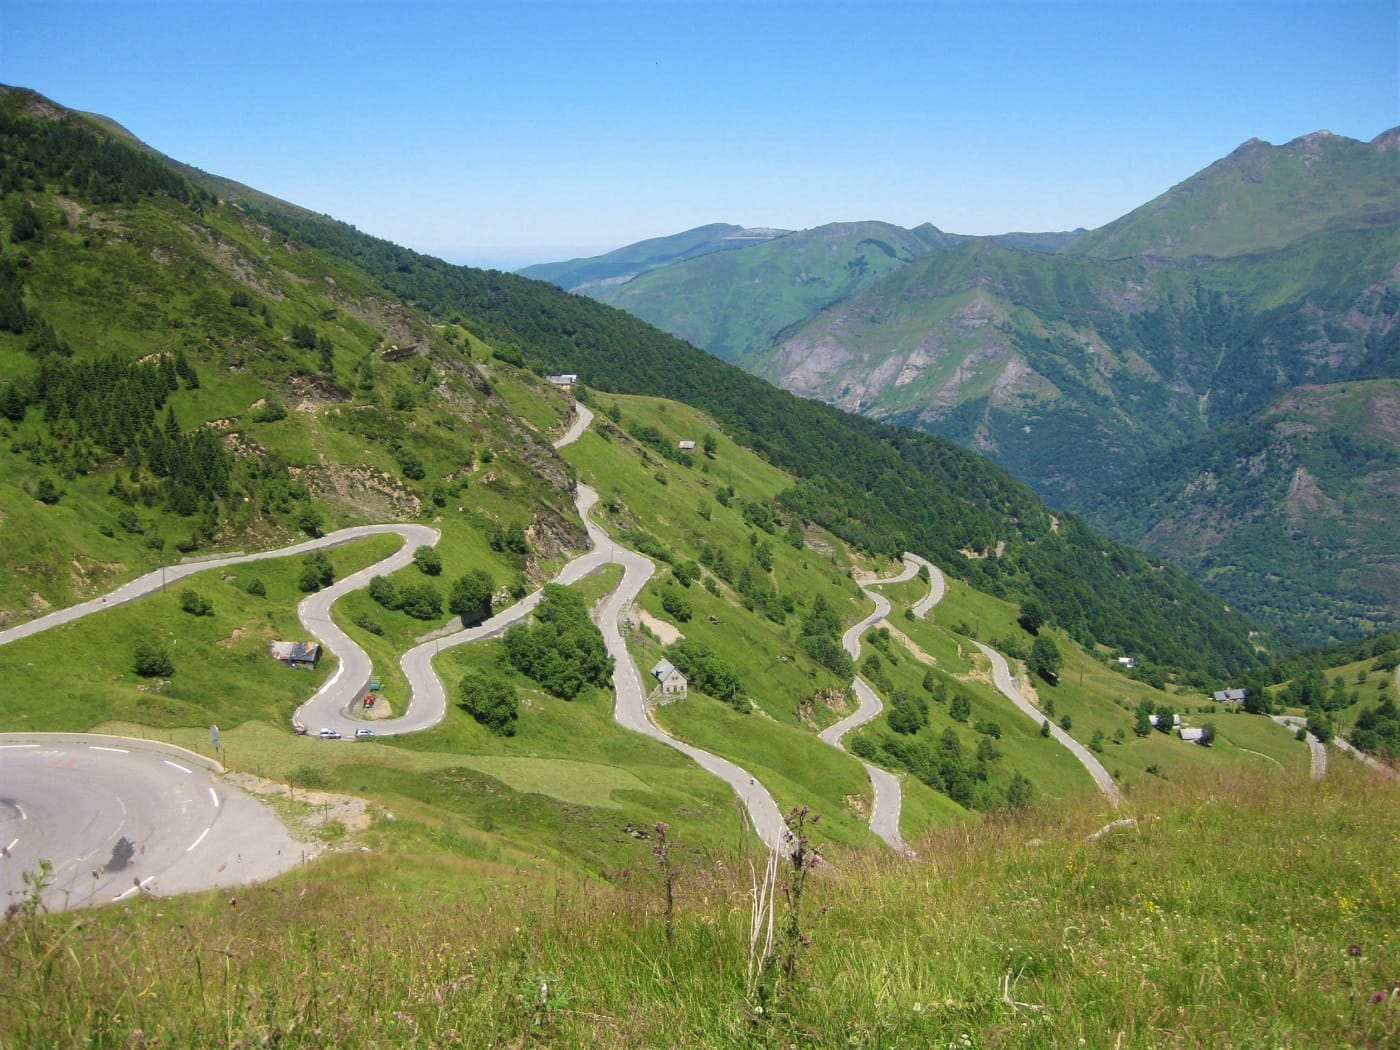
(369, 700)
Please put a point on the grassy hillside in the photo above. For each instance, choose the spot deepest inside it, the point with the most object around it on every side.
(1200, 925)
(176, 378)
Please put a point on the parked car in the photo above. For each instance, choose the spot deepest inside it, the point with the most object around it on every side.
(361, 734)
(328, 734)
(299, 730)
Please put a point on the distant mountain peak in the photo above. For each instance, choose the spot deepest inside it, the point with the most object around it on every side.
(1314, 140)
(1387, 140)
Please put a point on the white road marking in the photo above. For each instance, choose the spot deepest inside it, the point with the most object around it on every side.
(214, 798)
(197, 841)
(116, 750)
(177, 765)
(139, 886)
(11, 846)
(7, 747)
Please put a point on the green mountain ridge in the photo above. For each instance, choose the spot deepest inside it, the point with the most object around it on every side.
(1263, 197)
(587, 275)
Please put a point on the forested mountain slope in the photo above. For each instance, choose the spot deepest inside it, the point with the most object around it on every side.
(1290, 512)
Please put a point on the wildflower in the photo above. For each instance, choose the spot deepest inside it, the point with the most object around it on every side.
(1378, 997)
(1354, 950)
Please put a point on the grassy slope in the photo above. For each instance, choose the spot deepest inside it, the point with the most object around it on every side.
(146, 278)
(1201, 926)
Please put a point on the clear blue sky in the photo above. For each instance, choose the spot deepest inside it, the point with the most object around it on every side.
(505, 133)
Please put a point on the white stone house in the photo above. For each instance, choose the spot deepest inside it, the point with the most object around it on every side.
(670, 679)
(687, 446)
(1192, 735)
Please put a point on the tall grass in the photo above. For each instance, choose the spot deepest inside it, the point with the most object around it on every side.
(1242, 911)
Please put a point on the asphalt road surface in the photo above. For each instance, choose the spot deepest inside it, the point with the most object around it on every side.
(71, 798)
(1001, 678)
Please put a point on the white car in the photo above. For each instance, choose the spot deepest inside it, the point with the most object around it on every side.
(362, 734)
(328, 734)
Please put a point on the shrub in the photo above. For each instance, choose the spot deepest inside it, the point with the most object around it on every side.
(491, 701)
(270, 411)
(1032, 617)
(383, 590)
(45, 491)
(152, 660)
(256, 588)
(1019, 792)
(364, 623)
(194, 603)
(316, 572)
(471, 597)
(677, 606)
(421, 601)
(428, 560)
(1045, 659)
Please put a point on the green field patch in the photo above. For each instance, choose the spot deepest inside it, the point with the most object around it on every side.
(584, 783)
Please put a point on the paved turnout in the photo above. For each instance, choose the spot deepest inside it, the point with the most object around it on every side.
(70, 798)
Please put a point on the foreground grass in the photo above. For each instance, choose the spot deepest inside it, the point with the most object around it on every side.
(1202, 925)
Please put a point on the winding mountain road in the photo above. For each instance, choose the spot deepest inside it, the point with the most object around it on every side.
(1319, 749)
(630, 711)
(1001, 678)
(241, 841)
(889, 796)
(73, 799)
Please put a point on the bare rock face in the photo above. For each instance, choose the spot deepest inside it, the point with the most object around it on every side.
(376, 495)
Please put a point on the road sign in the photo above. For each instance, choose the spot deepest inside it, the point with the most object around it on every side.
(214, 737)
